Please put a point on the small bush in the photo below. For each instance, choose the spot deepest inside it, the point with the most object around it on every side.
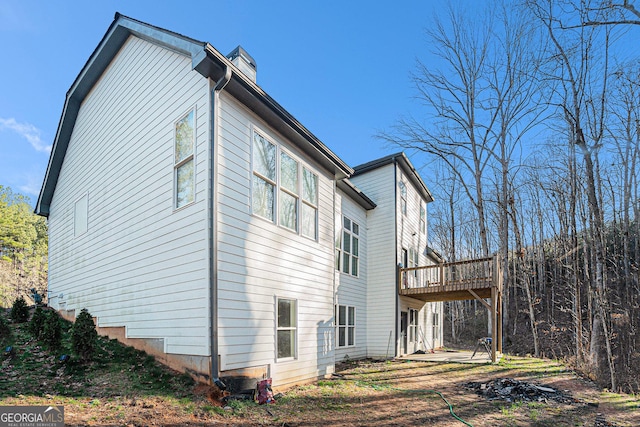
(52, 331)
(84, 336)
(19, 311)
(36, 324)
(5, 331)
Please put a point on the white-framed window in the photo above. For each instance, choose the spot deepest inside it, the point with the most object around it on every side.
(289, 191)
(413, 260)
(264, 177)
(345, 326)
(403, 197)
(309, 204)
(286, 328)
(348, 248)
(284, 191)
(413, 325)
(184, 162)
(423, 218)
(436, 325)
(81, 216)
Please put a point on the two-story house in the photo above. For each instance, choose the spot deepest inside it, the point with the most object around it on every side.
(198, 220)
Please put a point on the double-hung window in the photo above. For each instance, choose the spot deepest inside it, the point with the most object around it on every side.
(264, 177)
(403, 197)
(346, 325)
(283, 190)
(184, 163)
(413, 262)
(288, 192)
(423, 218)
(413, 325)
(309, 204)
(436, 325)
(348, 248)
(287, 328)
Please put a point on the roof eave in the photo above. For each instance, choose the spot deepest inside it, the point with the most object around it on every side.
(356, 194)
(404, 162)
(264, 105)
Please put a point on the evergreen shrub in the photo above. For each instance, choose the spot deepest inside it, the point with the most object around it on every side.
(36, 324)
(5, 331)
(84, 336)
(19, 311)
(52, 331)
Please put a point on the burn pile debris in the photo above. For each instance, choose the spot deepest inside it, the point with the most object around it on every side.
(512, 390)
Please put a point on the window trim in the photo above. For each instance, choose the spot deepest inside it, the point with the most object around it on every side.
(347, 326)
(340, 247)
(177, 164)
(403, 197)
(413, 325)
(293, 328)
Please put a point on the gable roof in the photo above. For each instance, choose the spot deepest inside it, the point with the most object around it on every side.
(207, 61)
(403, 161)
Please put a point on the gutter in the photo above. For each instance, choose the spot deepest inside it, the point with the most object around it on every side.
(214, 368)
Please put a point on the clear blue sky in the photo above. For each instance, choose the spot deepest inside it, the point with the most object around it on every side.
(340, 67)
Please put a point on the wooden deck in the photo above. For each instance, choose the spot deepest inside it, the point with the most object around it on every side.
(478, 279)
(462, 280)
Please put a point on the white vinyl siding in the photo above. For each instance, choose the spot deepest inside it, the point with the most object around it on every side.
(80, 216)
(352, 291)
(144, 262)
(258, 260)
(381, 261)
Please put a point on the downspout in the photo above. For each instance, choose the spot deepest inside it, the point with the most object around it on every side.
(395, 233)
(214, 368)
(335, 273)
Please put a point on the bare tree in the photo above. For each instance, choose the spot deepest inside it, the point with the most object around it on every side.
(459, 129)
(581, 56)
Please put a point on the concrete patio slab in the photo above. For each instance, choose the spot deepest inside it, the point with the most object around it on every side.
(453, 356)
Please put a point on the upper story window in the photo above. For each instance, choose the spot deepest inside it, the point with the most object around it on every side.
(348, 248)
(403, 197)
(309, 204)
(184, 164)
(264, 177)
(283, 190)
(289, 195)
(423, 218)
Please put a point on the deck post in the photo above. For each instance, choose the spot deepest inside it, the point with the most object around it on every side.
(494, 323)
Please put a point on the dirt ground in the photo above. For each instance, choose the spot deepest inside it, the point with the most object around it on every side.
(367, 393)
